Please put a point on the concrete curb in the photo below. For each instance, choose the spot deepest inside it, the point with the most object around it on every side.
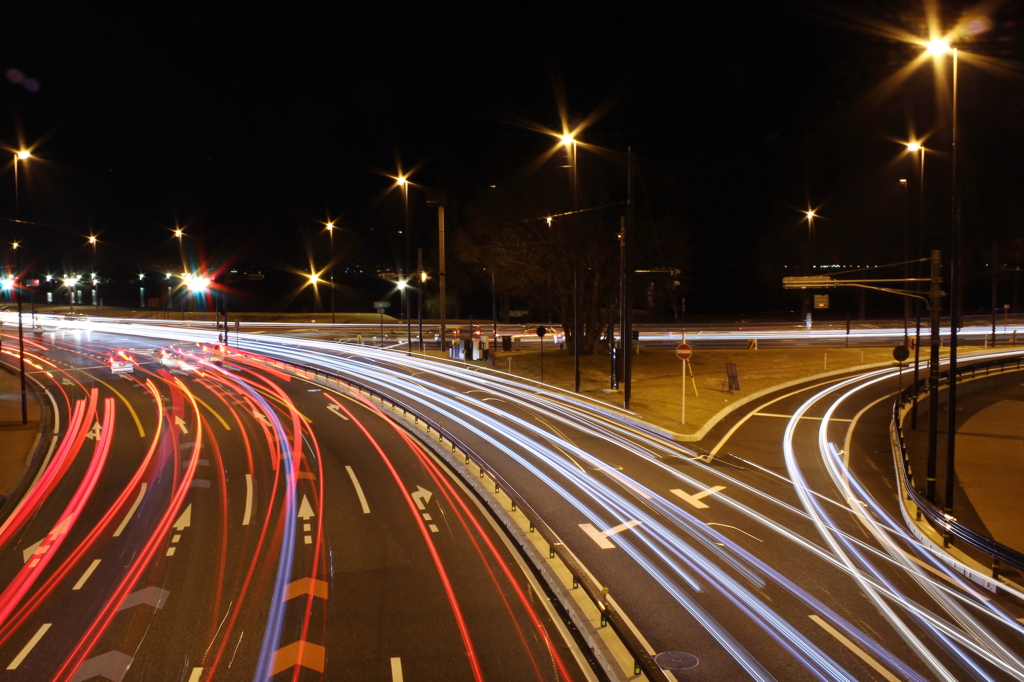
(32, 463)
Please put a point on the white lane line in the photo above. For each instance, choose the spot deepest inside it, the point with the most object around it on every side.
(359, 489)
(39, 635)
(695, 499)
(85, 576)
(861, 654)
(803, 416)
(248, 500)
(131, 512)
(396, 670)
(196, 674)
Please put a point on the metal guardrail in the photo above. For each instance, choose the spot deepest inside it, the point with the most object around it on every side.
(643, 661)
(945, 523)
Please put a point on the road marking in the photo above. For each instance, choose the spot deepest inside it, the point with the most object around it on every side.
(200, 483)
(138, 423)
(31, 644)
(94, 432)
(112, 665)
(696, 497)
(337, 410)
(317, 588)
(789, 416)
(180, 423)
(151, 596)
(359, 489)
(214, 412)
(303, 653)
(131, 512)
(196, 674)
(30, 550)
(248, 500)
(601, 537)
(85, 576)
(421, 497)
(306, 513)
(861, 654)
(183, 522)
(261, 417)
(396, 670)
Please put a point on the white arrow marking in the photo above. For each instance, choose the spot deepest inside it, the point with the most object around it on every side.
(259, 415)
(30, 550)
(94, 432)
(28, 647)
(180, 423)
(696, 497)
(185, 520)
(151, 596)
(337, 410)
(305, 510)
(421, 497)
(112, 666)
(601, 538)
(67, 382)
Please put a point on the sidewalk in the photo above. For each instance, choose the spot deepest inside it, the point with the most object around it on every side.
(18, 439)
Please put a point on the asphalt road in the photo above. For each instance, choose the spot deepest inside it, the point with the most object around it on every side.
(233, 522)
(770, 559)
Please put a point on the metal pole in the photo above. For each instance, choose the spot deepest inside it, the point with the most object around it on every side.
(614, 380)
(419, 295)
(576, 340)
(620, 373)
(441, 272)
(407, 299)
(627, 300)
(331, 233)
(17, 292)
(682, 415)
(933, 376)
(917, 364)
(955, 285)
(494, 312)
(906, 257)
(995, 290)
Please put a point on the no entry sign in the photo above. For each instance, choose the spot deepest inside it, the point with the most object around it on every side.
(684, 351)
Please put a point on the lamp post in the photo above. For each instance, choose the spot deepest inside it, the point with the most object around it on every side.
(404, 184)
(95, 278)
(570, 144)
(22, 155)
(917, 148)
(937, 48)
(330, 232)
(810, 245)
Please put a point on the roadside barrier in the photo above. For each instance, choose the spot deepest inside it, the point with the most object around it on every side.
(943, 523)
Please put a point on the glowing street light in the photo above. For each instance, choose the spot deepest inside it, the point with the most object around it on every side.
(178, 232)
(914, 146)
(401, 180)
(330, 232)
(24, 154)
(314, 278)
(7, 283)
(937, 47)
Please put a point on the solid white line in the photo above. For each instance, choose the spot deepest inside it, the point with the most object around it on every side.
(396, 670)
(861, 654)
(39, 635)
(248, 500)
(131, 512)
(803, 416)
(85, 576)
(359, 492)
(196, 674)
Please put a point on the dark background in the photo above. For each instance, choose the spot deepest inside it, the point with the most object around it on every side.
(250, 127)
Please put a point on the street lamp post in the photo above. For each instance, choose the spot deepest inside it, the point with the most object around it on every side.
(330, 232)
(95, 277)
(915, 147)
(808, 305)
(22, 155)
(570, 143)
(404, 184)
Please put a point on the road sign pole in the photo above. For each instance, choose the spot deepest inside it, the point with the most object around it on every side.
(682, 417)
(381, 327)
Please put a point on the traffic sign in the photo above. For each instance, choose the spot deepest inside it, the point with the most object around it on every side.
(542, 331)
(684, 351)
(380, 305)
(900, 353)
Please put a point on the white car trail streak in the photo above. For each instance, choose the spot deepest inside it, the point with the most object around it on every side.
(945, 627)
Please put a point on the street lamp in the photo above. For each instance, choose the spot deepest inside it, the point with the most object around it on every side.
(404, 184)
(95, 281)
(21, 155)
(809, 214)
(569, 142)
(330, 233)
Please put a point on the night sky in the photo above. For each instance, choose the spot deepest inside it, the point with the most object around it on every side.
(252, 126)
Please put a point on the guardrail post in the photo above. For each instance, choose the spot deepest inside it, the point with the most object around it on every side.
(995, 568)
(531, 525)
(636, 668)
(551, 548)
(513, 504)
(575, 582)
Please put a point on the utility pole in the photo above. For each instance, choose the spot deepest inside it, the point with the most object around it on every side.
(995, 289)
(626, 300)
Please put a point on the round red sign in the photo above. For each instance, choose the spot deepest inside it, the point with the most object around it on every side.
(684, 351)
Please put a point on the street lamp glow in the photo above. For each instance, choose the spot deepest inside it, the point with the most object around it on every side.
(314, 278)
(15, 245)
(423, 277)
(142, 276)
(402, 284)
(810, 214)
(178, 232)
(24, 154)
(937, 47)
(401, 180)
(913, 146)
(567, 139)
(330, 226)
(903, 181)
(70, 281)
(7, 282)
(197, 284)
(92, 239)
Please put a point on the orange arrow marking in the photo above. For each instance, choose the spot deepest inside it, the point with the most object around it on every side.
(301, 653)
(317, 588)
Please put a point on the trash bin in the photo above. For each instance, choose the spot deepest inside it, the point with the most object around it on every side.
(506, 344)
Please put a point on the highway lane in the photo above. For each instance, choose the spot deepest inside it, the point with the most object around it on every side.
(737, 541)
(222, 528)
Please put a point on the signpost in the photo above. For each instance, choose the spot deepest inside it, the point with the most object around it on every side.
(683, 352)
(380, 306)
